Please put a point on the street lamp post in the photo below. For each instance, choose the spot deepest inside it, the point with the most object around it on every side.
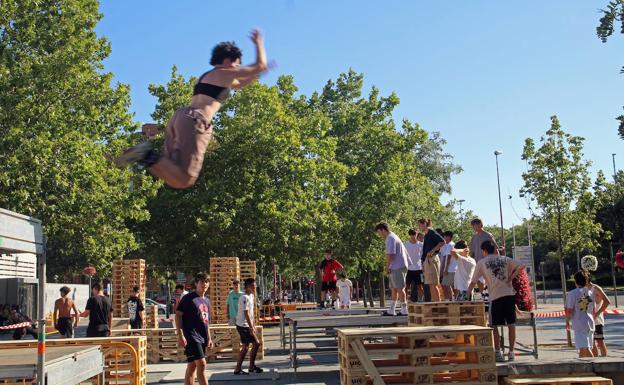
(500, 203)
(614, 170)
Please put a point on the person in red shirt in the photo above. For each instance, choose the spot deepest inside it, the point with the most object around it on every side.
(328, 268)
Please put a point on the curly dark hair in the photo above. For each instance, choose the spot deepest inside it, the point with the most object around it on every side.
(225, 50)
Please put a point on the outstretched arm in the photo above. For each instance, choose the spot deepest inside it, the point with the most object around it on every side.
(258, 67)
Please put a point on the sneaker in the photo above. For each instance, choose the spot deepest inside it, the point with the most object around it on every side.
(255, 369)
(133, 154)
(239, 372)
(401, 314)
(511, 356)
(388, 314)
(499, 357)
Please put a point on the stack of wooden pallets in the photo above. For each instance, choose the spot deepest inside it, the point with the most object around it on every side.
(227, 343)
(562, 379)
(247, 270)
(446, 313)
(151, 317)
(463, 355)
(127, 274)
(223, 270)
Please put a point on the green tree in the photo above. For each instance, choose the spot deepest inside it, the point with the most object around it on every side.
(612, 15)
(59, 115)
(387, 184)
(557, 180)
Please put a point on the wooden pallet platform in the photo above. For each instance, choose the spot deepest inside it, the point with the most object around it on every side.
(447, 313)
(118, 360)
(417, 355)
(559, 380)
(162, 343)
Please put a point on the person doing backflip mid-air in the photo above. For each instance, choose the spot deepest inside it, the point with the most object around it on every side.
(190, 129)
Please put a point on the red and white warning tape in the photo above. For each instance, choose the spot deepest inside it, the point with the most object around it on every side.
(555, 314)
(16, 326)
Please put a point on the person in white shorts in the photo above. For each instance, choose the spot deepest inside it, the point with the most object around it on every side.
(579, 311)
(345, 289)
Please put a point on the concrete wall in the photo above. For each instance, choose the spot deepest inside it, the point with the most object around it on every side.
(79, 294)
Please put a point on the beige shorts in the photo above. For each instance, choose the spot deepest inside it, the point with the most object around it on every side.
(431, 270)
(187, 136)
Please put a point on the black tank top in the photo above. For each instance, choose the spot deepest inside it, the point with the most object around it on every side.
(218, 93)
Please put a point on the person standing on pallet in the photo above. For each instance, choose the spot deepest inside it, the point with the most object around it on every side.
(414, 278)
(477, 239)
(433, 241)
(64, 322)
(449, 266)
(136, 310)
(499, 272)
(246, 327)
(232, 302)
(396, 266)
(328, 268)
(99, 309)
(192, 319)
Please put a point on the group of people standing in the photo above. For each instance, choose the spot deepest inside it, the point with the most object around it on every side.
(430, 267)
(98, 309)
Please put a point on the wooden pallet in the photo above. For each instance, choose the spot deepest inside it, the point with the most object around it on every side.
(447, 313)
(162, 343)
(223, 270)
(558, 380)
(127, 273)
(227, 343)
(151, 317)
(417, 355)
(118, 360)
(247, 270)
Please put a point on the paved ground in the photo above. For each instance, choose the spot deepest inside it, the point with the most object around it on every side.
(318, 360)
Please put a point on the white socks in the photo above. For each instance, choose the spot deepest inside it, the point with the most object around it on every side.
(404, 308)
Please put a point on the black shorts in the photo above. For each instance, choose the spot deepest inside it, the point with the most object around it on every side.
(414, 277)
(98, 333)
(328, 286)
(194, 350)
(136, 324)
(503, 311)
(245, 335)
(599, 332)
(65, 327)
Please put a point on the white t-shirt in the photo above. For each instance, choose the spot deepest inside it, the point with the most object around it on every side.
(395, 248)
(464, 272)
(581, 302)
(445, 251)
(414, 253)
(245, 302)
(344, 287)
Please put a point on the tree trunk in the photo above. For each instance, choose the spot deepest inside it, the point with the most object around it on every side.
(562, 270)
(364, 296)
(382, 289)
(369, 287)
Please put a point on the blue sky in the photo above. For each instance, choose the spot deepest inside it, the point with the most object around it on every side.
(486, 74)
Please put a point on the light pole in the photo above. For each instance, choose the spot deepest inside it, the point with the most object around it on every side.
(500, 203)
(614, 170)
(461, 202)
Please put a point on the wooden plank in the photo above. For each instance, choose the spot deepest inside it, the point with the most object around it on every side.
(371, 370)
(350, 320)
